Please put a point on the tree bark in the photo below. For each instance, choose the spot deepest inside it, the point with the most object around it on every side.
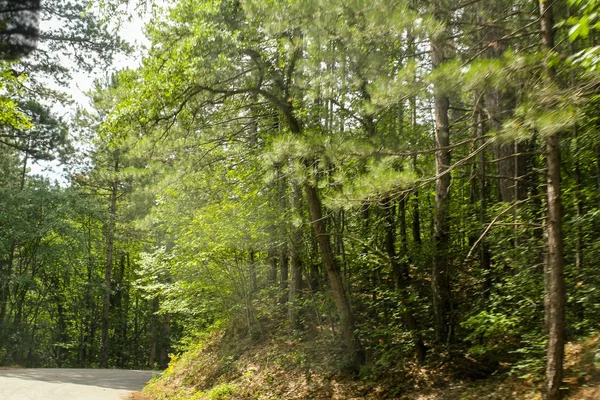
(284, 265)
(272, 271)
(110, 244)
(554, 237)
(295, 264)
(351, 341)
(485, 260)
(252, 272)
(555, 259)
(441, 228)
(401, 278)
(164, 342)
(284, 257)
(153, 332)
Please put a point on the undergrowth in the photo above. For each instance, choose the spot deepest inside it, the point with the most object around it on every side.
(226, 365)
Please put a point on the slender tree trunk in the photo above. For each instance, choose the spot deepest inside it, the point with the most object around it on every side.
(485, 259)
(7, 273)
(153, 332)
(284, 265)
(511, 163)
(62, 332)
(5, 288)
(598, 162)
(479, 193)
(164, 342)
(554, 237)
(252, 273)
(579, 239)
(402, 224)
(284, 258)
(272, 271)
(555, 259)
(441, 229)
(118, 307)
(401, 279)
(110, 244)
(295, 263)
(136, 326)
(416, 218)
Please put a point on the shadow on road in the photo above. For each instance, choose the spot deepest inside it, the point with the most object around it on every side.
(107, 378)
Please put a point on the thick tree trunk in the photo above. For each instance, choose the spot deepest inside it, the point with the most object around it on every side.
(342, 303)
(441, 228)
(554, 236)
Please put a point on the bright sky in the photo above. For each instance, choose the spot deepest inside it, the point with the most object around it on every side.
(131, 31)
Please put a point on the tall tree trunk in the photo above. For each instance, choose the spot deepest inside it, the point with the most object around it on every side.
(441, 230)
(597, 150)
(153, 332)
(401, 278)
(500, 104)
(284, 258)
(555, 267)
(5, 284)
(351, 340)
(164, 341)
(252, 273)
(272, 271)
(295, 263)
(110, 244)
(284, 267)
(6, 276)
(118, 307)
(579, 239)
(342, 303)
(485, 259)
(554, 237)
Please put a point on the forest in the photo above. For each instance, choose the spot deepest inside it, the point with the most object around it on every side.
(389, 188)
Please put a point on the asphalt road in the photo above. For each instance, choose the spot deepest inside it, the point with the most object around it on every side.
(71, 384)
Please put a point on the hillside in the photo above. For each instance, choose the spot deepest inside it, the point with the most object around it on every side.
(224, 367)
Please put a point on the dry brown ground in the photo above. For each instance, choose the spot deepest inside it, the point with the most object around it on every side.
(276, 370)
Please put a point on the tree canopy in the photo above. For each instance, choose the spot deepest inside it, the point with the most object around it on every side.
(416, 182)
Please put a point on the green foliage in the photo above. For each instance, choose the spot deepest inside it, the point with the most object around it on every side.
(10, 114)
(489, 325)
(207, 164)
(219, 392)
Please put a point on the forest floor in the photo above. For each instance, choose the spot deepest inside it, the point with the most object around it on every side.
(224, 367)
